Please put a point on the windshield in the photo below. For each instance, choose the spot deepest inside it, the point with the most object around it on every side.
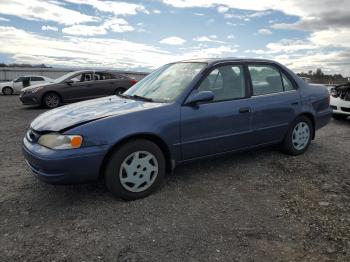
(64, 77)
(166, 83)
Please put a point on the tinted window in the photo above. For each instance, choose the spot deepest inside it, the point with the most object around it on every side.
(265, 79)
(226, 82)
(36, 78)
(287, 83)
(104, 76)
(20, 79)
(84, 77)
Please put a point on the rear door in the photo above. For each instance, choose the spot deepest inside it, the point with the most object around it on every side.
(108, 83)
(275, 102)
(223, 124)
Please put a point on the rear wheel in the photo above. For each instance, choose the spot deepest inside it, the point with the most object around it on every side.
(135, 169)
(119, 90)
(7, 91)
(298, 137)
(51, 100)
(339, 116)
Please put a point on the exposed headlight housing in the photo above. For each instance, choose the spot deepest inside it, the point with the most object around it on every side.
(60, 142)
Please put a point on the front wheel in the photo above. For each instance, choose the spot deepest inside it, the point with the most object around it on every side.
(298, 137)
(51, 100)
(119, 91)
(135, 169)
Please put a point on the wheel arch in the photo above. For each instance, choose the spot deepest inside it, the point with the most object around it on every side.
(2, 89)
(147, 136)
(312, 119)
(48, 92)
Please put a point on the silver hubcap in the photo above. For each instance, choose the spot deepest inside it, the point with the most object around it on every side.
(301, 136)
(52, 100)
(138, 171)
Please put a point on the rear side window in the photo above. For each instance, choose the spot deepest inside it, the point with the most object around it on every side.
(265, 79)
(105, 76)
(288, 86)
(36, 78)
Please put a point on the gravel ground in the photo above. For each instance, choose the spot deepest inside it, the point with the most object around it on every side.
(254, 206)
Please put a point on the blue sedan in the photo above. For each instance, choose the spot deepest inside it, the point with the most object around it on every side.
(180, 112)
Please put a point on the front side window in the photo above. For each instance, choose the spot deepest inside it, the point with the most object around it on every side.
(84, 77)
(265, 79)
(226, 82)
(166, 83)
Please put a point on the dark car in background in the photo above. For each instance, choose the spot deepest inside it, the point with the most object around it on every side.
(182, 111)
(76, 86)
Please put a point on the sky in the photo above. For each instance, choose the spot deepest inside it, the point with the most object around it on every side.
(143, 35)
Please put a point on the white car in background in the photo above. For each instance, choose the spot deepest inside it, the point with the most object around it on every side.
(340, 101)
(15, 86)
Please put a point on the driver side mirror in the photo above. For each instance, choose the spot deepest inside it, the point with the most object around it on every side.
(202, 96)
(69, 82)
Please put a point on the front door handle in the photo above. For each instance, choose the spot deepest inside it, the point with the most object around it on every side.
(295, 103)
(244, 110)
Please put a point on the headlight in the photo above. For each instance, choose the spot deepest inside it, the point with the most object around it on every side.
(58, 141)
(34, 90)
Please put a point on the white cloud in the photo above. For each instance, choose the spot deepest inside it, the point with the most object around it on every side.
(117, 8)
(49, 28)
(222, 9)
(94, 52)
(264, 31)
(156, 11)
(207, 39)
(4, 19)
(231, 36)
(173, 40)
(44, 11)
(118, 25)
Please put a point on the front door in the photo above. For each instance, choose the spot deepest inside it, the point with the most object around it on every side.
(223, 124)
(79, 87)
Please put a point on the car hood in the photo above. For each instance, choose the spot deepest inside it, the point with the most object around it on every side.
(79, 113)
(28, 88)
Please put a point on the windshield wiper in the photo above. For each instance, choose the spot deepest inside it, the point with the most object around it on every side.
(142, 98)
(136, 97)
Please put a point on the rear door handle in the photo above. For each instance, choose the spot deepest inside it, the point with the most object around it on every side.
(295, 103)
(244, 110)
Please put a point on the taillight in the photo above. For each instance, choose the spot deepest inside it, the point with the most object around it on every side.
(133, 81)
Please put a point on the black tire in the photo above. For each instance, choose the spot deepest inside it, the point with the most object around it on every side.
(113, 170)
(51, 100)
(119, 90)
(339, 116)
(288, 146)
(7, 91)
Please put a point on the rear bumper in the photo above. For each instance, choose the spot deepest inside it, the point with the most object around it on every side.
(323, 118)
(63, 166)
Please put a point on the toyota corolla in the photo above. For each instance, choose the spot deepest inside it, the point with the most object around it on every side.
(180, 112)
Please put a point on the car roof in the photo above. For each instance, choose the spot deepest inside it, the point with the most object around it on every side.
(34, 75)
(96, 71)
(227, 59)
